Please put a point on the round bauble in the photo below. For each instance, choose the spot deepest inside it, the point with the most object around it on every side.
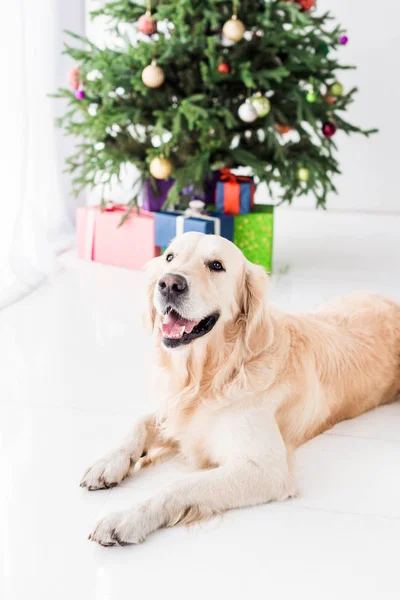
(303, 174)
(329, 129)
(336, 89)
(324, 48)
(343, 40)
(73, 78)
(306, 4)
(262, 105)
(160, 167)
(153, 75)
(311, 96)
(234, 29)
(225, 42)
(80, 94)
(146, 24)
(330, 99)
(247, 112)
(224, 67)
(282, 128)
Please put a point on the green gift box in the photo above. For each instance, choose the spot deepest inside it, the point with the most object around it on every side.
(254, 234)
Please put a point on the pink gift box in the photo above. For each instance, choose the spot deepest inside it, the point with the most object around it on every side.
(100, 239)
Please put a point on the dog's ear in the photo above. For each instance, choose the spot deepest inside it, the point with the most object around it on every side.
(152, 271)
(258, 329)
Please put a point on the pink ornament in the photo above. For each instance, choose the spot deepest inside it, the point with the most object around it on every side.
(80, 94)
(329, 129)
(73, 77)
(343, 40)
(146, 24)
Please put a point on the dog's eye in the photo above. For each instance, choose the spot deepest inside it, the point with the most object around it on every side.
(216, 265)
(169, 257)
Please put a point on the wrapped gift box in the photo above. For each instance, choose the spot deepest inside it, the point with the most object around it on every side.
(101, 239)
(168, 225)
(207, 193)
(253, 234)
(234, 194)
(155, 192)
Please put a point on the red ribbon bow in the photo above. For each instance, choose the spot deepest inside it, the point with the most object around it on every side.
(112, 206)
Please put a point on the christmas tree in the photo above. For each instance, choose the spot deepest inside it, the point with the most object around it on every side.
(191, 86)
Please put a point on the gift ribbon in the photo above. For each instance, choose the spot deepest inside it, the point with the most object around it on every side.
(232, 190)
(91, 226)
(195, 212)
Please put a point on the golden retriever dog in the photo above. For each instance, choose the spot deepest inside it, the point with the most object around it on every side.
(240, 385)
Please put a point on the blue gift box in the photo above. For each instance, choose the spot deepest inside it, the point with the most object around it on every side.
(167, 226)
(234, 194)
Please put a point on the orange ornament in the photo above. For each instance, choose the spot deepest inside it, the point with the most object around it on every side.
(306, 4)
(283, 128)
(146, 24)
(224, 67)
(330, 99)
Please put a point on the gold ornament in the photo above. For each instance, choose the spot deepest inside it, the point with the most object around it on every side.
(261, 104)
(336, 89)
(153, 75)
(234, 29)
(303, 174)
(160, 167)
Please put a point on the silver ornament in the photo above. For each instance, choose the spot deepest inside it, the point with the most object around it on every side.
(247, 112)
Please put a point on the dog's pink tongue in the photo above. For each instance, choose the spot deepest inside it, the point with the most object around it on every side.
(174, 326)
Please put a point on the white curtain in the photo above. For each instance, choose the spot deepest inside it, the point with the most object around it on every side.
(36, 208)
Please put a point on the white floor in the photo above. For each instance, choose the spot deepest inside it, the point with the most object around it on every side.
(74, 376)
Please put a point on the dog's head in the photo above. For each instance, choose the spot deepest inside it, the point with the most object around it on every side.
(202, 283)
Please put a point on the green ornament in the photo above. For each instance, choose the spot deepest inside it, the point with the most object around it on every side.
(303, 174)
(262, 105)
(311, 96)
(336, 89)
(324, 48)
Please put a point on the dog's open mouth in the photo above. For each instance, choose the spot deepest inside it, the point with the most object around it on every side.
(177, 331)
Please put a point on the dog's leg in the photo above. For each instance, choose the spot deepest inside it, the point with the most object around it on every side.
(256, 473)
(114, 467)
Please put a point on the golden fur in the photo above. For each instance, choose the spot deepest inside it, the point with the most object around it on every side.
(239, 400)
(349, 351)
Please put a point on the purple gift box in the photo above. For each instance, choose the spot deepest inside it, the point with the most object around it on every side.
(155, 192)
(207, 193)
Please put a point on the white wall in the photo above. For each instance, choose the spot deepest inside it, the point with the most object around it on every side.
(369, 166)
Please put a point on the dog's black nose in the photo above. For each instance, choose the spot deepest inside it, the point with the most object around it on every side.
(172, 286)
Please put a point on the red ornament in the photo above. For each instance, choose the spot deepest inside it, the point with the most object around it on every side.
(330, 99)
(146, 24)
(306, 4)
(73, 78)
(282, 128)
(224, 67)
(329, 129)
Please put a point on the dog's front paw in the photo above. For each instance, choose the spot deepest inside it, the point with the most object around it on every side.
(121, 528)
(107, 472)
